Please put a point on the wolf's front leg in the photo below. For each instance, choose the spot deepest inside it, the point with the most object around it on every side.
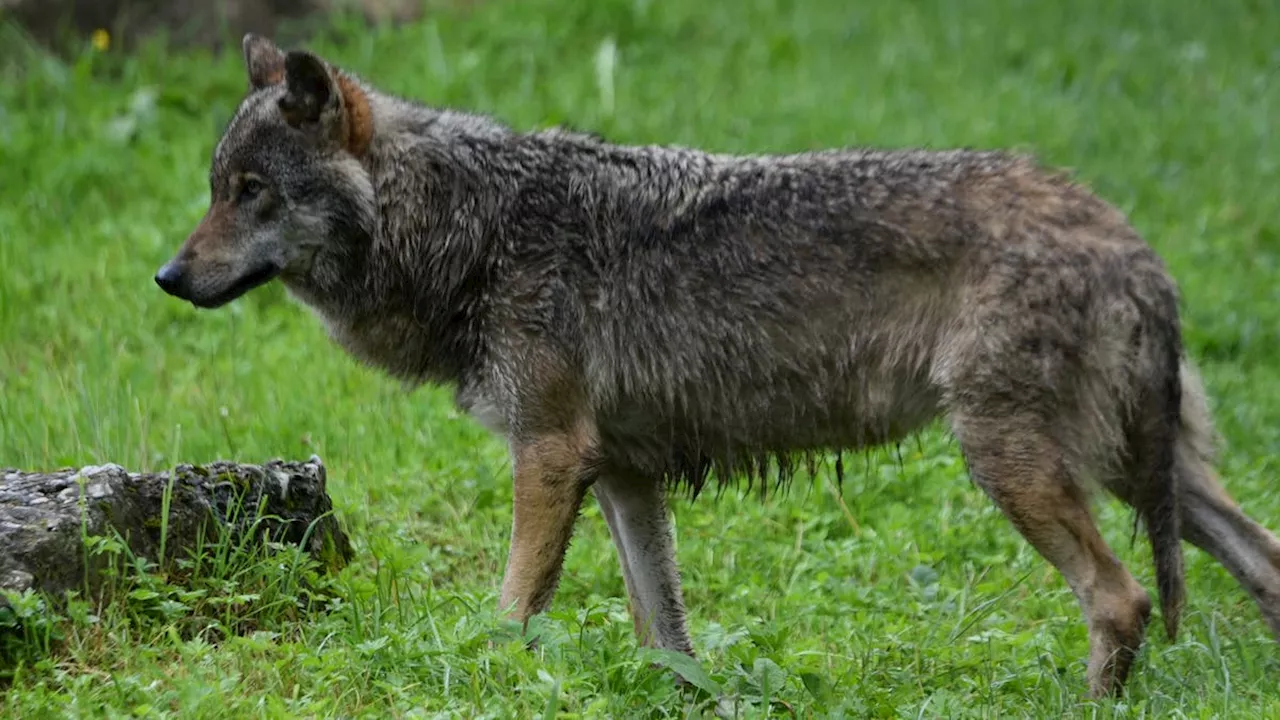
(637, 517)
(551, 477)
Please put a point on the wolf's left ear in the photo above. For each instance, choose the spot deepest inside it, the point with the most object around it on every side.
(312, 91)
(326, 101)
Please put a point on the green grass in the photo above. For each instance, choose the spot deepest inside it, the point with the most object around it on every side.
(921, 601)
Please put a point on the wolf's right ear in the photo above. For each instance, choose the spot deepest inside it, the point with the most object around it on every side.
(264, 61)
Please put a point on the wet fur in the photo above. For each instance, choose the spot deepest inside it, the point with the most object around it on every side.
(663, 315)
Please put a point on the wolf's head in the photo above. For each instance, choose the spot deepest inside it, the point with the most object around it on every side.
(289, 196)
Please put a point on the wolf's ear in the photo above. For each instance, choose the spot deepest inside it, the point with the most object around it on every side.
(326, 101)
(313, 93)
(263, 60)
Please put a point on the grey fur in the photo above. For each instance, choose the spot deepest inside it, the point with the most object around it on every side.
(685, 315)
(637, 519)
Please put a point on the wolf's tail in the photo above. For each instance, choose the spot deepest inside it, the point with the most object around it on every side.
(1193, 450)
(1169, 432)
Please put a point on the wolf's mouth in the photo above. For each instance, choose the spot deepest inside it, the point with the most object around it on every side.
(261, 276)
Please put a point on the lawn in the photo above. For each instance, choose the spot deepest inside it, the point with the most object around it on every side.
(907, 596)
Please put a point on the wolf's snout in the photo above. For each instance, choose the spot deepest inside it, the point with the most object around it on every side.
(169, 278)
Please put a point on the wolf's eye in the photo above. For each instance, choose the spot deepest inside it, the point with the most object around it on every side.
(250, 188)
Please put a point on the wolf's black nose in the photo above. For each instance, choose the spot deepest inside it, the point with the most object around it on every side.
(169, 278)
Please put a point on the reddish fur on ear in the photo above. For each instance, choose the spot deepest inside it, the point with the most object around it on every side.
(324, 99)
(359, 115)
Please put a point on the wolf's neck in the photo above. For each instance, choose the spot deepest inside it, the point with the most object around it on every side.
(404, 291)
(390, 316)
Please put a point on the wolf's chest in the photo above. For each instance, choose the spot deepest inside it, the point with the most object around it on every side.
(387, 343)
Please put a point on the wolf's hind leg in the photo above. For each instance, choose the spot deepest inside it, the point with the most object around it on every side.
(1209, 517)
(1213, 522)
(1025, 471)
(637, 516)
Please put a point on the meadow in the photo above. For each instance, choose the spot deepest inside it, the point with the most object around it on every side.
(902, 593)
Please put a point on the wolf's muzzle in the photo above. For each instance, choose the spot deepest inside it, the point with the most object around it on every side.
(176, 279)
(169, 278)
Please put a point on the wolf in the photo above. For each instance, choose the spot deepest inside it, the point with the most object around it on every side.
(637, 319)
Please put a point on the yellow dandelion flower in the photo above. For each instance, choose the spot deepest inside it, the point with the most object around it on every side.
(101, 40)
